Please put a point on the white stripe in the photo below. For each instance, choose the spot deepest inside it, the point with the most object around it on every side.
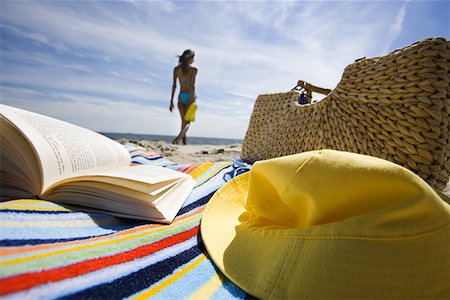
(53, 224)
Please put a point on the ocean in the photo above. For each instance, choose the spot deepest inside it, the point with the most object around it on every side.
(168, 139)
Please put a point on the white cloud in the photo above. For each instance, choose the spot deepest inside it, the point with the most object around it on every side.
(121, 55)
(397, 26)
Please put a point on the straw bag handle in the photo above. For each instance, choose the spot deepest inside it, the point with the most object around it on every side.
(306, 89)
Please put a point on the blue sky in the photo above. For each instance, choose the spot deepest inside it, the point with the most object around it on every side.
(107, 65)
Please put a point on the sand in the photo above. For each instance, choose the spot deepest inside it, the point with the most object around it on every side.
(184, 154)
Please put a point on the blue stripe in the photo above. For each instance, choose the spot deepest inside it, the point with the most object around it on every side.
(189, 283)
(211, 185)
(132, 148)
(24, 236)
(229, 290)
(196, 204)
(6, 210)
(24, 242)
(137, 281)
(147, 157)
(158, 162)
(36, 216)
(216, 176)
(15, 236)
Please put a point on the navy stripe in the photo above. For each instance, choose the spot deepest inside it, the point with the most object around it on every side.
(13, 243)
(73, 210)
(146, 157)
(52, 212)
(201, 201)
(116, 227)
(137, 281)
(198, 203)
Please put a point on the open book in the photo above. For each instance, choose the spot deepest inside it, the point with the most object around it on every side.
(45, 158)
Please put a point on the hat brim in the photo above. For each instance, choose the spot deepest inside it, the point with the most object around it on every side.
(217, 229)
(263, 265)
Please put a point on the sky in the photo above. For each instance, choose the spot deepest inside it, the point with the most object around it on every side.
(108, 65)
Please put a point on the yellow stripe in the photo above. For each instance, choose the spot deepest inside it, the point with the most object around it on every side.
(25, 201)
(213, 173)
(94, 245)
(201, 170)
(17, 207)
(153, 291)
(208, 290)
(30, 204)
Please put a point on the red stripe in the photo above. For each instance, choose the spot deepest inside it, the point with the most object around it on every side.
(183, 168)
(28, 280)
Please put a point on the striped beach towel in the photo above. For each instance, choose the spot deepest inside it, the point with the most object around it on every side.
(50, 251)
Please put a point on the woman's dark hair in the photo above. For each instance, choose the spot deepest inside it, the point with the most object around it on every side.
(183, 60)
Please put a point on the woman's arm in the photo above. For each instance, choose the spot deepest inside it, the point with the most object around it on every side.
(174, 87)
(194, 75)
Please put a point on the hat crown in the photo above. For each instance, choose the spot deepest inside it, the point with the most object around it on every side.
(329, 192)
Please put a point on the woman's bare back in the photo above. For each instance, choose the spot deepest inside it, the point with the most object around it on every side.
(187, 80)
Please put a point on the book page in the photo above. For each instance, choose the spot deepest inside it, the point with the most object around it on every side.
(18, 161)
(145, 174)
(106, 197)
(143, 178)
(124, 201)
(173, 201)
(65, 150)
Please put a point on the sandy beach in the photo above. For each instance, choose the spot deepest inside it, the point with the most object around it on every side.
(183, 154)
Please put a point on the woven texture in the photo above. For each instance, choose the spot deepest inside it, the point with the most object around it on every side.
(394, 107)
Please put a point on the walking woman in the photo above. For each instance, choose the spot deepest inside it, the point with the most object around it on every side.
(185, 73)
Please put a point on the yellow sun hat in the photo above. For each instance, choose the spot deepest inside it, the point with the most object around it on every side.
(330, 224)
(190, 114)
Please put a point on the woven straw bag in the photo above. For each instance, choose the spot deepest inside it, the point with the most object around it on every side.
(395, 107)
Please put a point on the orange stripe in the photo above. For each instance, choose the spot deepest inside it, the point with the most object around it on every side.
(191, 168)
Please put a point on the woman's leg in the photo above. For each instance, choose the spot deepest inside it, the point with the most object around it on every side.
(182, 108)
(185, 127)
(183, 132)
